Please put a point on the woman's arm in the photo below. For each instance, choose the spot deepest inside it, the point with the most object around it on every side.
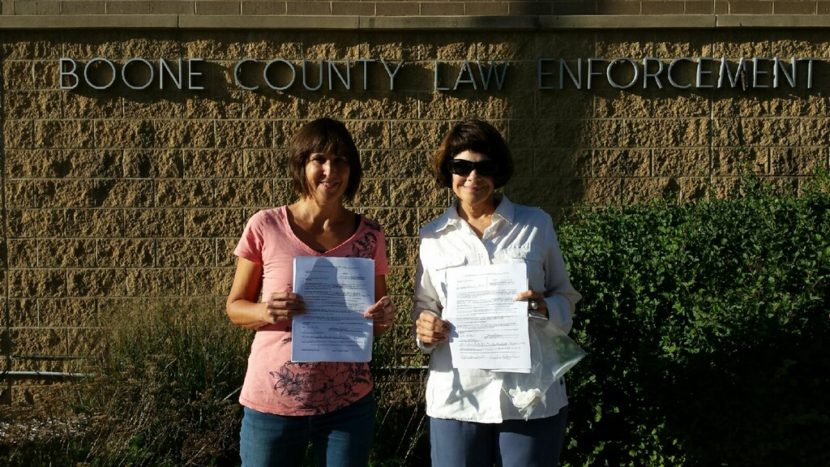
(430, 329)
(242, 306)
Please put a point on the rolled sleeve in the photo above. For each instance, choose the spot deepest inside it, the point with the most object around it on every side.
(560, 313)
(560, 296)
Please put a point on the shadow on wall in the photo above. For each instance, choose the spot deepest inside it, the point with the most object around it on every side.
(650, 137)
(547, 132)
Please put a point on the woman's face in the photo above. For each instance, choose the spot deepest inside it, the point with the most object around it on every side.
(327, 176)
(474, 188)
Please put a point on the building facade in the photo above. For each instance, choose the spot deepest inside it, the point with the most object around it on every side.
(138, 136)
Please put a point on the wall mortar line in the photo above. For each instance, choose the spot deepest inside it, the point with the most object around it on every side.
(5, 395)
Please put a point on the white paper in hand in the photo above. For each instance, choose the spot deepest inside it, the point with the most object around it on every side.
(336, 292)
(489, 328)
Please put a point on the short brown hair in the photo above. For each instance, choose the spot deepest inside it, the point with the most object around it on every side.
(327, 136)
(477, 136)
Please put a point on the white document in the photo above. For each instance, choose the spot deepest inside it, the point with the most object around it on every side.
(489, 329)
(336, 292)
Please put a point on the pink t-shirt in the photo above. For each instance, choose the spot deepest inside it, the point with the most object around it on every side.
(273, 384)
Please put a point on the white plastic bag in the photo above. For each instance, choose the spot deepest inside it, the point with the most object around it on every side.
(552, 354)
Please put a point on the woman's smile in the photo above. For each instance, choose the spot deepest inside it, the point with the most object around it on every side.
(330, 184)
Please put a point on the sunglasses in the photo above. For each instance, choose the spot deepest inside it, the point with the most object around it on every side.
(486, 168)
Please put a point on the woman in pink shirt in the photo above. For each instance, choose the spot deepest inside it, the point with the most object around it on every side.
(288, 405)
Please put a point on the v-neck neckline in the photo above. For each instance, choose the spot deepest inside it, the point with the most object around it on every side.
(308, 247)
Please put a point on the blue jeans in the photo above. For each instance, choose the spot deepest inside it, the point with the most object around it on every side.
(342, 438)
(512, 443)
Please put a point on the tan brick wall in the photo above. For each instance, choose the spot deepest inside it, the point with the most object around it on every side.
(415, 7)
(117, 197)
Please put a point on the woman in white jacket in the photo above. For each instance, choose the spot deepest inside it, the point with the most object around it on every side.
(473, 419)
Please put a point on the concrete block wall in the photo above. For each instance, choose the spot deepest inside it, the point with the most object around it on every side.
(113, 198)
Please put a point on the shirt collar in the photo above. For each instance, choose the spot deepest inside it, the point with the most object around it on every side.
(505, 211)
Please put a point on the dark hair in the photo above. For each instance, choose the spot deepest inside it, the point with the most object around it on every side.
(477, 136)
(328, 136)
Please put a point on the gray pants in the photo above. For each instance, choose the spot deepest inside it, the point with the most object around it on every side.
(512, 443)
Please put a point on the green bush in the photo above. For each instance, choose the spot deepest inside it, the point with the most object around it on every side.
(705, 326)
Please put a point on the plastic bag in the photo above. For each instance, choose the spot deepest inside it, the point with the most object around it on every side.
(552, 354)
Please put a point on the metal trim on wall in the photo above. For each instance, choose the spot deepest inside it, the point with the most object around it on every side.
(418, 23)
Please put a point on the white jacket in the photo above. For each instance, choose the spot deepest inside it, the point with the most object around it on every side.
(517, 233)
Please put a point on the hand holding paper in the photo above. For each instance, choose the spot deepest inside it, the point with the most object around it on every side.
(283, 306)
(431, 329)
(381, 313)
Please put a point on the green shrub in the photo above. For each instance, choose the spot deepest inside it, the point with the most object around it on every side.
(705, 327)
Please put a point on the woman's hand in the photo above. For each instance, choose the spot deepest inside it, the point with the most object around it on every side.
(382, 313)
(535, 302)
(283, 306)
(431, 329)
